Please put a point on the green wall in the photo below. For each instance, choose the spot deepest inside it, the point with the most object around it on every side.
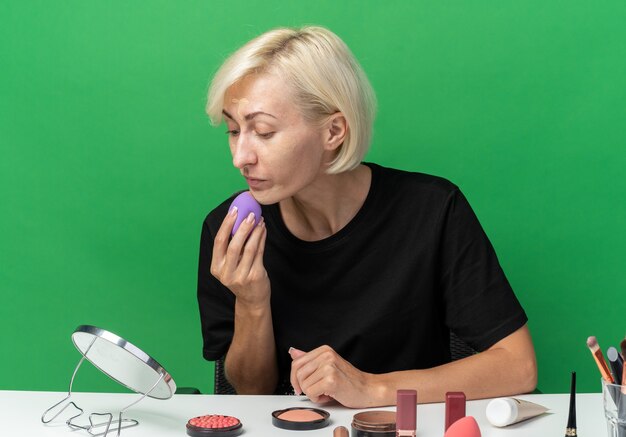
(108, 164)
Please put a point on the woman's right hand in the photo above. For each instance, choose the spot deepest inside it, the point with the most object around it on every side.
(238, 262)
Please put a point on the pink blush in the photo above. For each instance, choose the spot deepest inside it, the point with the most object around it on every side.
(300, 418)
(300, 415)
(214, 421)
(214, 425)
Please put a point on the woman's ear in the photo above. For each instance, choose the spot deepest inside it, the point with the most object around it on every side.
(335, 131)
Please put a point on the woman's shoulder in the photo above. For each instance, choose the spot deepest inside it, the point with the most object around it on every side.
(414, 182)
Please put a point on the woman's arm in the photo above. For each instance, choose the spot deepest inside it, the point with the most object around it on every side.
(250, 364)
(506, 368)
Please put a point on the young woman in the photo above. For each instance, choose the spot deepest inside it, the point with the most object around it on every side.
(349, 286)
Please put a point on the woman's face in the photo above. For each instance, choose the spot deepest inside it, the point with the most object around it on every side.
(276, 150)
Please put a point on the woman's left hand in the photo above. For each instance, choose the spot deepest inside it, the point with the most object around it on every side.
(322, 375)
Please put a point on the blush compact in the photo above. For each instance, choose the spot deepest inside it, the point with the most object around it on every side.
(300, 418)
(214, 425)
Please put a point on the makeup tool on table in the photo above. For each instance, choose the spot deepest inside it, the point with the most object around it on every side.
(623, 380)
(214, 425)
(406, 413)
(507, 411)
(381, 423)
(455, 407)
(464, 427)
(123, 362)
(300, 418)
(592, 344)
(341, 431)
(374, 423)
(620, 398)
(616, 362)
(570, 430)
(613, 386)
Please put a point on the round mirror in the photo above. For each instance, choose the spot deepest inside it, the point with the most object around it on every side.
(123, 362)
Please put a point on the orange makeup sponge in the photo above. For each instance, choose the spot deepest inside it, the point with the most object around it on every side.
(465, 427)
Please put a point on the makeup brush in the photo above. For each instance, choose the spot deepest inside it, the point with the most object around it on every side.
(623, 381)
(594, 347)
(570, 431)
(616, 362)
(620, 399)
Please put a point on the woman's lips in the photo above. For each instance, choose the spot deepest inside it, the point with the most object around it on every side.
(255, 183)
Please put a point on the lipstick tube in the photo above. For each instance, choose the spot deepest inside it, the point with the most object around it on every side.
(455, 407)
(406, 413)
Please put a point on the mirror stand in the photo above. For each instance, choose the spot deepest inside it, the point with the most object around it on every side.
(95, 423)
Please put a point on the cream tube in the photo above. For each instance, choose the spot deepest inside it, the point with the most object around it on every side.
(507, 411)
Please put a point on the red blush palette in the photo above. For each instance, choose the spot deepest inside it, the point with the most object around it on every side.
(214, 425)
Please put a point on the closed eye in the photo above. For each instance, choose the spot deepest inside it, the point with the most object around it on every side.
(266, 135)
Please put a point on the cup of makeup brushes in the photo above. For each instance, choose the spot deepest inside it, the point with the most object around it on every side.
(614, 399)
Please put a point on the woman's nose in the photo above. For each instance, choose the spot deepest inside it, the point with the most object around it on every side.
(243, 152)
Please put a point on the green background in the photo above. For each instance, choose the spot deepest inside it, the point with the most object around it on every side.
(108, 164)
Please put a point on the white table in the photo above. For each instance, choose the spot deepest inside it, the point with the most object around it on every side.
(20, 412)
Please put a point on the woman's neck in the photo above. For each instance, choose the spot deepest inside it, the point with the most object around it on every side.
(327, 205)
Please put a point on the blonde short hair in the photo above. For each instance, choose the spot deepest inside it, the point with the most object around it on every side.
(323, 74)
